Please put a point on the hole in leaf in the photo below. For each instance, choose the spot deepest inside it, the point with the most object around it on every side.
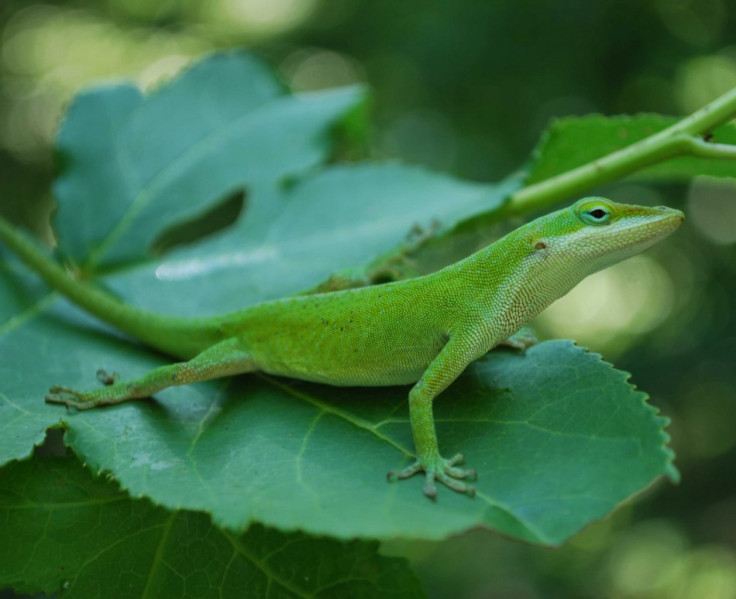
(383, 277)
(53, 443)
(221, 216)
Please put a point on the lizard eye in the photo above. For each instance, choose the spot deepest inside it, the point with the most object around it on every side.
(595, 214)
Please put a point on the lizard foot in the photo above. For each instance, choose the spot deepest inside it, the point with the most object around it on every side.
(440, 470)
(107, 378)
(523, 338)
(72, 399)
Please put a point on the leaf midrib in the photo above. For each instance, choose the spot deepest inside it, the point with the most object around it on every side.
(190, 155)
(372, 428)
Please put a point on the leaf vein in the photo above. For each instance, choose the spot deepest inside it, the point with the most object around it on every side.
(262, 565)
(347, 416)
(27, 314)
(158, 557)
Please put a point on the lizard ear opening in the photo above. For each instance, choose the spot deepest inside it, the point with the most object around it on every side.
(540, 245)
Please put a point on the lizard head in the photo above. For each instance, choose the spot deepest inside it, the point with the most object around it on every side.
(595, 233)
(543, 260)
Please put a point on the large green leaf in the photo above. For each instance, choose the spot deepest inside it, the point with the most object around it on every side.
(573, 141)
(558, 437)
(133, 166)
(64, 532)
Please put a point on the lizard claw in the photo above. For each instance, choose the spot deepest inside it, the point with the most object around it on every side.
(440, 470)
(69, 398)
(107, 378)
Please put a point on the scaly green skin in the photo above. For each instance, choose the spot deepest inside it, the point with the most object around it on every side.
(424, 330)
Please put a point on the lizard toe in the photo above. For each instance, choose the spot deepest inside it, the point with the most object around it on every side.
(439, 470)
(405, 472)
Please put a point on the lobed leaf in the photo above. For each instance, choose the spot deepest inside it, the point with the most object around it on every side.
(134, 166)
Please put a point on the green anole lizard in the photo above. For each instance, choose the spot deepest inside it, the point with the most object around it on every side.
(424, 330)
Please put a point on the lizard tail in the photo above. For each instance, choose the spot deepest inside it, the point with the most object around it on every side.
(176, 336)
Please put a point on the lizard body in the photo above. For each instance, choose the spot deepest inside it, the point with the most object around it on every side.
(424, 330)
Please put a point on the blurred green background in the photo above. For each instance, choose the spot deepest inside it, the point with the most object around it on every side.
(466, 87)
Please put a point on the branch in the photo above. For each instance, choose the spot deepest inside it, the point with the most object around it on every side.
(681, 139)
(702, 149)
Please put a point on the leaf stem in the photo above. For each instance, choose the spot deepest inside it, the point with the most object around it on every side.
(681, 139)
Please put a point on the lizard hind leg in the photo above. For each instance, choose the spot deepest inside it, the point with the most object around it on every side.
(226, 358)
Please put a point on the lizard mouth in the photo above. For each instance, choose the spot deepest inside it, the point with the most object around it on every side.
(636, 236)
(640, 236)
(665, 224)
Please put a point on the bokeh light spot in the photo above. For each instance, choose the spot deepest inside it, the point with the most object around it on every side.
(50, 53)
(263, 17)
(611, 307)
(712, 209)
(311, 69)
(703, 79)
(696, 22)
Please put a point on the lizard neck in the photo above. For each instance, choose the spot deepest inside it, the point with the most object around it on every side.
(519, 275)
(509, 282)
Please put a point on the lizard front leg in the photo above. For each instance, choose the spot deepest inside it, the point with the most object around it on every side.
(227, 358)
(444, 369)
